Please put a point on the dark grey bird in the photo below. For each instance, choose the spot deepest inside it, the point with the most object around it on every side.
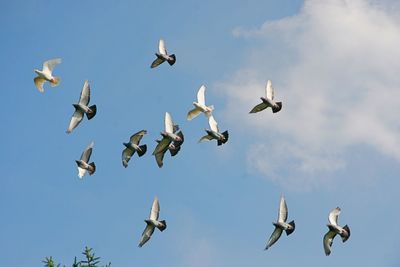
(132, 146)
(214, 133)
(281, 224)
(152, 223)
(334, 229)
(82, 108)
(163, 56)
(268, 100)
(83, 163)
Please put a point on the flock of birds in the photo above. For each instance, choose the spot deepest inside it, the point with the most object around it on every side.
(171, 140)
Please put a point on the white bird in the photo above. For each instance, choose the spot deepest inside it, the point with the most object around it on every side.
(152, 223)
(132, 146)
(334, 229)
(47, 74)
(162, 55)
(281, 224)
(268, 100)
(214, 133)
(83, 163)
(82, 108)
(200, 105)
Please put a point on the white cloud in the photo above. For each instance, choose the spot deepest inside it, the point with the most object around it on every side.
(335, 66)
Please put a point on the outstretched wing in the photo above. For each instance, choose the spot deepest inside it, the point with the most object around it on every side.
(259, 108)
(159, 158)
(39, 81)
(193, 114)
(200, 95)
(161, 47)
(283, 211)
(169, 124)
(206, 137)
(155, 209)
(213, 124)
(136, 137)
(269, 90)
(87, 153)
(85, 94)
(148, 231)
(75, 120)
(276, 234)
(333, 216)
(157, 62)
(162, 145)
(126, 156)
(328, 240)
(48, 65)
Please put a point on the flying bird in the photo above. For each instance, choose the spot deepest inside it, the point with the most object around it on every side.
(174, 147)
(281, 225)
(162, 56)
(268, 100)
(200, 105)
(214, 133)
(132, 146)
(82, 108)
(83, 163)
(334, 229)
(152, 223)
(47, 74)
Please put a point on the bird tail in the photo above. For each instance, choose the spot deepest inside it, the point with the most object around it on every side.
(163, 226)
(90, 115)
(142, 150)
(345, 237)
(55, 81)
(226, 135)
(92, 169)
(278, 108)
(172, 60)
(290, 230)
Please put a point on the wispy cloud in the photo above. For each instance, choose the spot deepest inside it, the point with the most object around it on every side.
(335, 68)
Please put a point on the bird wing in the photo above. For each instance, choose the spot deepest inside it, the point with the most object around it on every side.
(333, 216)
(155, 210)
(85, 94)
(126, 156)
(213, 124)
(81, 172)
(328, 240)
(193, 114)
(39, 83)
(75, 120)
(206, 137)
(283, 211)
(162, 145)
(87, 152)
(136, 137)
(48, 65)
(276, 234)
(157, 62)
(269, 90)
(161, 47)
(200, 95)
(259, 107)
(169, 124)
(148, 231)
(159, 158)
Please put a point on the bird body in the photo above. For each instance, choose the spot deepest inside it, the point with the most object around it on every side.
(214, 132)
(268, 100)
(152, 223)
(200, 105)
(83, 162)
(133, 146)
(163, 55)
(47, 74)
(334, 229)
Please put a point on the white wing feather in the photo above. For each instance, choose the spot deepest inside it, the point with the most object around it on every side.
(200, 96)
(283, 211)
(269, 90)
(81, 172)
(169, 125)
(155, 210)
(48, 65)
(161, 47)
(333, 216)
(213, 124)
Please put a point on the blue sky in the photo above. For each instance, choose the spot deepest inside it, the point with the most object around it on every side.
(335, 143)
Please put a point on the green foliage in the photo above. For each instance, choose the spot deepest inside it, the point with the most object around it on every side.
(90, 260)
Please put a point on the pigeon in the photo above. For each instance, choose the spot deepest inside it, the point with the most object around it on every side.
(200, 106)
(214, 133)
(281, 225)
(132, 146)
(152, 223)
(83, 163)
(334, 229)
(47, 74)
(174, 147)
(82, 108)
(162, 56)
(268, 101)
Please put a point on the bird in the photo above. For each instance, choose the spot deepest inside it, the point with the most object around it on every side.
(281, 224)
(83, 163)
(162, 56)
(200, 106)
(334, 229)
(214, 133)
(152, 223)
(268, 100)
(132, 146)
(47, 74)
(82, 108)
